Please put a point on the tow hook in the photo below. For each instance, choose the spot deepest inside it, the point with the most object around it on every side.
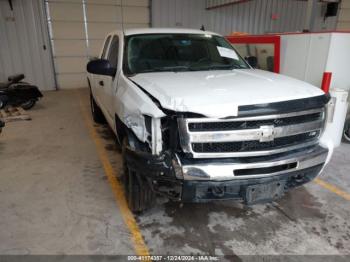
(218, 191)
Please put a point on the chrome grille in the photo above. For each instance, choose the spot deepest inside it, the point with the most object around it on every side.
(247, 146)
(250, 136)
(238, 125)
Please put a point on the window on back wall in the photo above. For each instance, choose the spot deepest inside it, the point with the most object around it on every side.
(78, 28)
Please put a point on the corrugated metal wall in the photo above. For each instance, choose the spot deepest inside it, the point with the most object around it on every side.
(253, 16)
(78, 28)
(25, 44)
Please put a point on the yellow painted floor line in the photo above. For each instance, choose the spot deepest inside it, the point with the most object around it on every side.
(332, 188)
(118, 190)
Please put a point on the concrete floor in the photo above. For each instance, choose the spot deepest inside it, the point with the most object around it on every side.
(55, 199)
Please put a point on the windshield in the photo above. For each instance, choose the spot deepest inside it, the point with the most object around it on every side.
(179, 52)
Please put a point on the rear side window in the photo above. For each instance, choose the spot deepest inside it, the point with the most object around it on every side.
(105, 47)
(113, 52)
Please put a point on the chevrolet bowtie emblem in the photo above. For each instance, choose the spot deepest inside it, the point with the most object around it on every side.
(267, 133)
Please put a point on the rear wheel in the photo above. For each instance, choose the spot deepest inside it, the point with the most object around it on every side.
(138, 192)
(28, 104)
(96, 112)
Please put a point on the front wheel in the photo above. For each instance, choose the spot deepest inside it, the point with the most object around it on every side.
(138, 192)
(28, 104)
(2, 103)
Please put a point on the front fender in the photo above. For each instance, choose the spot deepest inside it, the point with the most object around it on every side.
(131, 107)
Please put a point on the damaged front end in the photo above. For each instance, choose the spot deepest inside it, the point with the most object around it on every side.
(254, 157)
(160, 172)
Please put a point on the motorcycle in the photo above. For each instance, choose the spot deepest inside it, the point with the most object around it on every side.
(15, 92)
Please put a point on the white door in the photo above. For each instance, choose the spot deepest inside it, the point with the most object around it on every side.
(98, 79)
(108, 81)
(24, 43)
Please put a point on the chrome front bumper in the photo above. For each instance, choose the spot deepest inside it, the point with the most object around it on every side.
(222, 171)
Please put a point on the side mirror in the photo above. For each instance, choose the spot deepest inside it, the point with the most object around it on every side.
(101, 67)
(252, 61)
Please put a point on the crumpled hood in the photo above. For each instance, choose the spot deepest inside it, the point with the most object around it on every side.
(218, 94)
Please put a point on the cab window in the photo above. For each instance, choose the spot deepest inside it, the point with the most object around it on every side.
(105, 47)
(113, 52)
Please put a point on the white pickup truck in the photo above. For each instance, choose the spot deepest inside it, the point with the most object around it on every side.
(197, 123)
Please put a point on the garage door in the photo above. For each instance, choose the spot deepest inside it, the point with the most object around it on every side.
(78, 27)
(24, 43)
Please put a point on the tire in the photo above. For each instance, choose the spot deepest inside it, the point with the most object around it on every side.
(346, 132)
(138, 192)
(96, 111)
(2, 104)
(28, 104)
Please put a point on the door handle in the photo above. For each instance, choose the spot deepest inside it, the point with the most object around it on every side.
(101, 83)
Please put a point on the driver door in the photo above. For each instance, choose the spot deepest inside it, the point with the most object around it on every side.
(109, 82)
(97, 79)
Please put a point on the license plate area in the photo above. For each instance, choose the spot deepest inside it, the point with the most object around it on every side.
(263, 193)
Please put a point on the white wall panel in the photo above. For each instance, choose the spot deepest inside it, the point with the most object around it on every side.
(70, 65)
(66, 11)
(95, 47)
(68, 30)
(100, 30)
(68, 81)
(103, 13)
(338, 60)
(69, 47)
(294, 64)
(136, 15)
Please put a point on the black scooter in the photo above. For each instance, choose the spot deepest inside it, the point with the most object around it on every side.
(18, 93)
